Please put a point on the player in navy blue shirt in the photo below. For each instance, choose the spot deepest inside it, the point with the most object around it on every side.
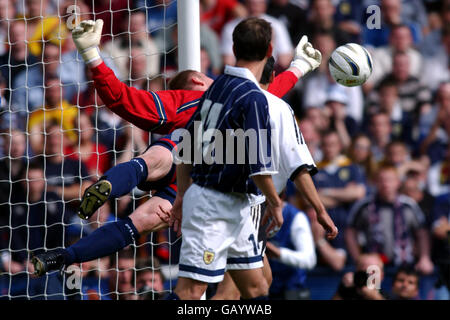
(217, 228)
(232, 102)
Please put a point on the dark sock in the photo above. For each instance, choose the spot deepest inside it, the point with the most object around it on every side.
(125, 176)
(104, 241)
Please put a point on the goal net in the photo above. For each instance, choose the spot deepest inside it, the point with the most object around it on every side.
(57, 137)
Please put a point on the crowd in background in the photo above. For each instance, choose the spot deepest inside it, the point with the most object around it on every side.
(382, 149)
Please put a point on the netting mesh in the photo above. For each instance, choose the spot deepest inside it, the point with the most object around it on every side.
(57, 137)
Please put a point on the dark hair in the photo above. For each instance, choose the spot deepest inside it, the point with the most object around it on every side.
(126, 253)
(397, 142)
(323, 33)
(51, 77)
(52, 123)
(181, 80)
(268, 70)
(36, 163)
(380, 113)
(387, 82)
(386, 167)
(251, 39)
(408, 270)
(399, 26)
(329, 132)
(399, 53)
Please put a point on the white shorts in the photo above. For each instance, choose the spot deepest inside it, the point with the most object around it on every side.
(218, 234)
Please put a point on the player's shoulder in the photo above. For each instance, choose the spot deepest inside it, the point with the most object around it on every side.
(278, 106)
(247, 91)
(234, 81)
(176, 98)
(240, 86)
(271, 97)
(239, 81)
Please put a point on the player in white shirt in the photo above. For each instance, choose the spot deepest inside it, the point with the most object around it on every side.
(293, 161)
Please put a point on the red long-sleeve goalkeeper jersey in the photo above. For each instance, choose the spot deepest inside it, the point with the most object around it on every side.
(161, 111)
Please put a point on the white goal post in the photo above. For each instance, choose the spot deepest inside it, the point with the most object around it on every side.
(189, 35)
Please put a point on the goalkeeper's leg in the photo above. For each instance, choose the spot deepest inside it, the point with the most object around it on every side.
(154, 164)
(108, 239)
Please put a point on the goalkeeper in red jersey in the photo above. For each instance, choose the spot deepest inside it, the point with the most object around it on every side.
(160, 112)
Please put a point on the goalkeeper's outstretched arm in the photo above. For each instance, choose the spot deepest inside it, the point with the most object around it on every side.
(140, 107)
(86, 37)
(158, 111)
(306, 59)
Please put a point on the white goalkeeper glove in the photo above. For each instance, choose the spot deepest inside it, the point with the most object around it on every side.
(86, 37)
(306, 58)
